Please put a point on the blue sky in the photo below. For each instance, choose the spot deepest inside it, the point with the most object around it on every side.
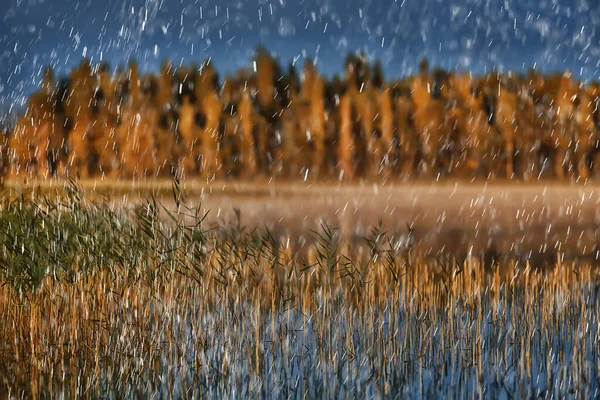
(461, 34)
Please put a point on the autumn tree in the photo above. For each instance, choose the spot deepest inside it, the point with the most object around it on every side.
(190, 136)
(136, 132)
(104, 140)
(245, 116)
(383, 138)
(430, 121)
(505, 118)
(364, 110)
(292, 84)
(586, 135)
(210, 109)
(345, 140)
(475, 140)
(169, 149)
(313, 93)
(228, 146)
(408, 147)
(378, 77)
(207, 81)
(563, 134)
(164, 93)
(358, 72)
(266, 68)
(81, 118)
(593, 94)
(37, 137)
(270, 98)
(237, 126)
(4, 155)
(293, 152)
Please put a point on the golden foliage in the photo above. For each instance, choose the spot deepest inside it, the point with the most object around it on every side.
(265, 122)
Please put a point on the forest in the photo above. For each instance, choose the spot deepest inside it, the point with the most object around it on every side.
(293, 123)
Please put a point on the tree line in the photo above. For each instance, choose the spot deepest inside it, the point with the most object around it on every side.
(294, 123)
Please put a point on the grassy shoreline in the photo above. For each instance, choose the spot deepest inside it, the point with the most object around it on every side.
(270, 186)
(102, 302)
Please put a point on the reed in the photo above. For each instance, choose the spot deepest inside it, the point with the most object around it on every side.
(151, 301)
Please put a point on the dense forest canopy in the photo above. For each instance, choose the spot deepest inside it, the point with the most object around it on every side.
(290, 121)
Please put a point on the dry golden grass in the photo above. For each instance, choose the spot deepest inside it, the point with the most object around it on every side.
(101, 303)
